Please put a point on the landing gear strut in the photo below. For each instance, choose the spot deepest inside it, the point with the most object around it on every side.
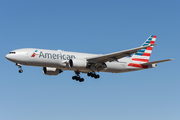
(93, 74)
(77, 77)
(20, 66)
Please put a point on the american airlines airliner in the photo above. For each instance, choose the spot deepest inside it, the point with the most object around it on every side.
(56, 61)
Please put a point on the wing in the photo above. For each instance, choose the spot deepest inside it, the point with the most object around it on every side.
(117, 55)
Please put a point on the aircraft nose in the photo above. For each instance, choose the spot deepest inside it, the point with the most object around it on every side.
(10, 57)
(7, 56)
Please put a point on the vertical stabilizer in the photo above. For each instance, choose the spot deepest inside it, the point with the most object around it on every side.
(143, 55)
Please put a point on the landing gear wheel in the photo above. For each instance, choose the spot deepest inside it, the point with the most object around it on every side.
(81, 80)
(89, 74)
(77, 77)
(93, 75)
(74, 77)
(20, 71)
(97, 76)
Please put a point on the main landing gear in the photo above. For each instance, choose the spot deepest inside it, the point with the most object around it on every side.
(20, 66)
(93, 75)
(77, 77)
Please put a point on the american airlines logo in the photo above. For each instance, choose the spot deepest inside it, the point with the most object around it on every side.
(34, 54)
(55, 56)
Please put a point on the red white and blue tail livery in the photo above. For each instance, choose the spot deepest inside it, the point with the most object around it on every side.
(143, 55)
(55, 61)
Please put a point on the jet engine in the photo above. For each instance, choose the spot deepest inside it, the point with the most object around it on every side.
(76, 63)
(51, 71)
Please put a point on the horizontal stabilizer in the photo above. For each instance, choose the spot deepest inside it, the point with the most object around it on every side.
(154, 62)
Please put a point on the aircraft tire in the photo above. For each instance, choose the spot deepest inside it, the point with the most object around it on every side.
(20, 71)
(77, 78)
(89, 74)
(74, 77)
(97, 76)
(93, 75)
(81, 80)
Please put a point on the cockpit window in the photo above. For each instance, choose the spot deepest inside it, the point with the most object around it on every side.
(12, 52)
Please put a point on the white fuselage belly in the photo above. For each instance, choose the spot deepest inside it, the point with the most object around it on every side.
(59, 59)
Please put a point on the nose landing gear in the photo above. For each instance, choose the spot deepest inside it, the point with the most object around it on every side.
(20, 66)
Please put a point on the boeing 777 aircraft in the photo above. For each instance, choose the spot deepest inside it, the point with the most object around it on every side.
(54, 61)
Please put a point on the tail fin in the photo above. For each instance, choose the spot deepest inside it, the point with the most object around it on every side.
(143, 55)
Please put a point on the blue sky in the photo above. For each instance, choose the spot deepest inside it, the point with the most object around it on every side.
(96, 26)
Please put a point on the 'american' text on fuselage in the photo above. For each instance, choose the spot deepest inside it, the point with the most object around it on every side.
(56, 56)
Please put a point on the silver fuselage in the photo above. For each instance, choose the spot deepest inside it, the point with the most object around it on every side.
(59, 59)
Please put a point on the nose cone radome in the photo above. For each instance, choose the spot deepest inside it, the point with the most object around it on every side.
(7, 56)
(10, 57)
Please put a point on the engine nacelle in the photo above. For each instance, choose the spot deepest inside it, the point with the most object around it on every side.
(77, 63)
(51, 71)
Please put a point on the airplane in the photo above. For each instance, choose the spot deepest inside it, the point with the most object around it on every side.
(55, 61)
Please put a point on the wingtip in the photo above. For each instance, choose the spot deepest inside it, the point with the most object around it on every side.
(171, 59)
